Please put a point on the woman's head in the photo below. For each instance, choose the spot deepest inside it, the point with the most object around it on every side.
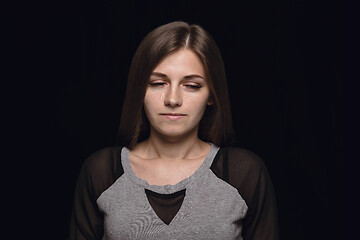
(215, 125)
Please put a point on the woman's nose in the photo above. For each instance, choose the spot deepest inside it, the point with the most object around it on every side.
(173, 97)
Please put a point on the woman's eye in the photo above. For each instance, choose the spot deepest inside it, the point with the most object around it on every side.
(154, 84)
(193, 86)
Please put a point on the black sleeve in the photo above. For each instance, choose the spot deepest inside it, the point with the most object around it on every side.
(98, 172)
(247, 172)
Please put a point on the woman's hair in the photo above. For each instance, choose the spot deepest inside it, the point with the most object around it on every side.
(216, 123)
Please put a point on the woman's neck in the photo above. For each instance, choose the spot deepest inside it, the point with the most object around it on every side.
(172, 148)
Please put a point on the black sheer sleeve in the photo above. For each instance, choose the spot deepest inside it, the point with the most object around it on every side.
(247, 172)
(98, 172)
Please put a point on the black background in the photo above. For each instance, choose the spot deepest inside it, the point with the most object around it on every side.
(282, 63)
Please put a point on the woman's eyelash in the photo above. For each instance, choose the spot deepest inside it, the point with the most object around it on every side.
(156, 83)
(163, 83)
(193, 86)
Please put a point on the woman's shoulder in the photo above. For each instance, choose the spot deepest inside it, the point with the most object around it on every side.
(100, 170)
(103, 161)
(244, 170)
(242, 156)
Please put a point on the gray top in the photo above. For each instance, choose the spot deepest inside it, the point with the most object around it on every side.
(230, 196)
(211, 208)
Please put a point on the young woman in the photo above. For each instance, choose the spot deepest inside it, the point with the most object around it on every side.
(174, 175)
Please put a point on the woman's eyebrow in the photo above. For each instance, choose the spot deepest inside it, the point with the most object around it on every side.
(159, 74)
(193, 76)
(187, 77)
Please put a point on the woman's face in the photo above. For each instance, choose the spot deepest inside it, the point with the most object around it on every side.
(177, 94)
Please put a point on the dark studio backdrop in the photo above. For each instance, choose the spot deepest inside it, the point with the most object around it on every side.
(281, 60)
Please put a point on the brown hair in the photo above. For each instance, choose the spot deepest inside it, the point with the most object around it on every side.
(216, 124)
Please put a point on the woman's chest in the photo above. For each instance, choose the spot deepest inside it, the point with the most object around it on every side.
(210, 209)
(162, 172)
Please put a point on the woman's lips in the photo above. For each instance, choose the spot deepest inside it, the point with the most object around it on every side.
(173, 116)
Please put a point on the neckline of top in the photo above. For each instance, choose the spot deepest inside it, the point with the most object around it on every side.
(167, 189)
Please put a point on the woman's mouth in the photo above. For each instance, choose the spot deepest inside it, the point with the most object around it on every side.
(173, 116)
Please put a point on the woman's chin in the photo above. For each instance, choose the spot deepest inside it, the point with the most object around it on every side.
(175, 135)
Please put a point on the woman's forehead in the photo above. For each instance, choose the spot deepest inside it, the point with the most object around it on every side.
(183, 62)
